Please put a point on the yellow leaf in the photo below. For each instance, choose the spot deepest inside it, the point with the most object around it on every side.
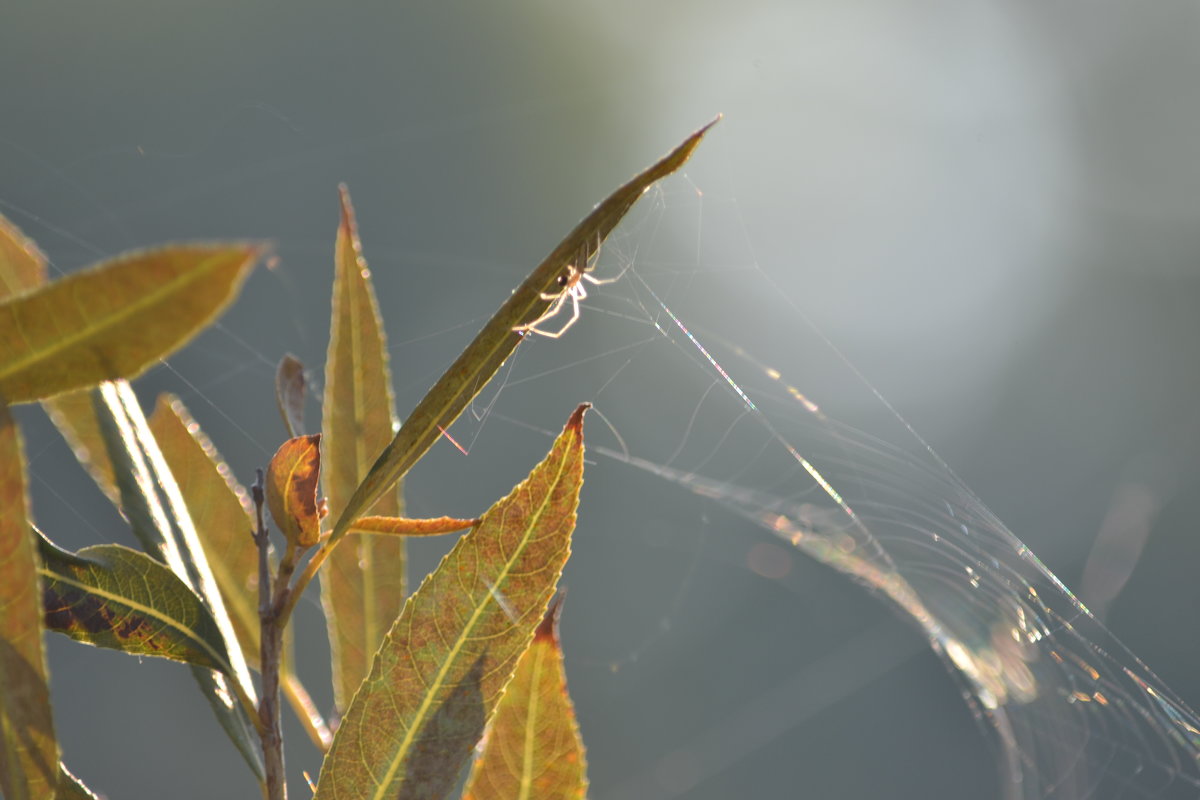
(532, 749)
(115, 319)
(362, 584)
(28, 748)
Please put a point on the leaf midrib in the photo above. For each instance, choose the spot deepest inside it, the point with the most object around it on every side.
(382, 788)
(110, 320)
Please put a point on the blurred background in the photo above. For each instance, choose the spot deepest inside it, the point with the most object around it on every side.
(988, 208)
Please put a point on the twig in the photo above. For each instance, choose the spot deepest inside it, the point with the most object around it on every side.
(271, 647)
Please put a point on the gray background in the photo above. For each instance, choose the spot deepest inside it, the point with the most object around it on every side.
(989, 207)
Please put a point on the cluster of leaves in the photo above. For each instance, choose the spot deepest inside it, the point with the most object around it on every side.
(418, 681)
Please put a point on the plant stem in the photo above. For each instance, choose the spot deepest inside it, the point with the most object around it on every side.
(270, 653)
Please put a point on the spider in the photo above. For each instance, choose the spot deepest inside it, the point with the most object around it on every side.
(571, 283)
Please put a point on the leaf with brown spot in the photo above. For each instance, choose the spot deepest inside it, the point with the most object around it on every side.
(403, 526)
(533, 749)
(362, 583)
(492, 346)
(292, 479)
(110, 596)
(441, 669)
(28, 748)
(116, 318)
(290, 390)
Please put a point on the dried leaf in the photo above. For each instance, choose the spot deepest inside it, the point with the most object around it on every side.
(28, 748)
(110, 596)
(290, 390)
(292, 479)
(362, 583)
(444, 663)
(472, 370)
(533, 748)
(115, 319)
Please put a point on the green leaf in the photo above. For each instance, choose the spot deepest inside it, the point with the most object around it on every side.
(467, 376)
(362, 583)
(158, 516)
(221, 511)
(444, 663)
(28, 750)
(72, 413)
(533, 749)
(71, 788)
(114, 597)
(115, 319)
(290, 390)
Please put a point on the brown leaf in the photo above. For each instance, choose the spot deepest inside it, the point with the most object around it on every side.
(533, 748)
(290, 389)
(292, 479)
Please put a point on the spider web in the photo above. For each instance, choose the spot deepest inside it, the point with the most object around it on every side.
(710, 395)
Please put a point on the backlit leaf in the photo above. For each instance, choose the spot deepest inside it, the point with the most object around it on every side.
(23, 268)
(444, 663)
(110, 596)
(476, 365)
(28, 748)
(71, 788)
(533, 749)
(158, 516)
(220, 510)
(362, 583)
(292, 479)
(403, 526)
(290, 390)
(22, 265)
(115, 319)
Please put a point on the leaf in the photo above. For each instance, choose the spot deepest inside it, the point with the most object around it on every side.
(290, 389)
(442, 666)
(292, 478)
(472, 370)
(158, 516)
(115, 319)
(403, 526)
(110, 596)
(28, 748)
(533, 749)
(221, 511)
(22, 265)
(71, 788)
(362, 584)
(72, 413)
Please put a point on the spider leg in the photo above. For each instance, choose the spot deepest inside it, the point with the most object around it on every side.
(554, 308)
(594, 281)
(533, 326)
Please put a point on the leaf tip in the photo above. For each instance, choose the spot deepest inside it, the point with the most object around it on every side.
(575, 423)
(547, 629)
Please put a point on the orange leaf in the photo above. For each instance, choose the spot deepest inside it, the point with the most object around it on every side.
(292, 489)
(403, 526)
